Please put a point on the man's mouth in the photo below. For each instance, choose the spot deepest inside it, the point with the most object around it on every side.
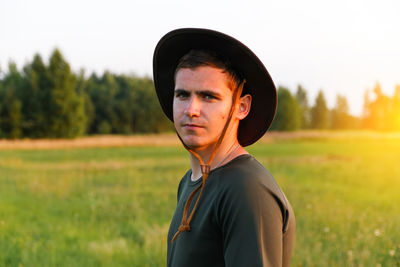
(192, 126)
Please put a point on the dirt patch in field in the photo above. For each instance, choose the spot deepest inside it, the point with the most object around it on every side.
(172, 140)
(325, 135)
(294, 160)
(92, 141)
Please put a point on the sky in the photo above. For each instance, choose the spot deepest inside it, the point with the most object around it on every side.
(340, 47)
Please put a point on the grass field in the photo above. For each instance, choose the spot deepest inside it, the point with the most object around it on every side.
(111, 206)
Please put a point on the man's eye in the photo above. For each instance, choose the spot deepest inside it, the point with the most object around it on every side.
(209, 97)
(181, 94)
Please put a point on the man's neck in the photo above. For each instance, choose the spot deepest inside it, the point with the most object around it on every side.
(225, 154)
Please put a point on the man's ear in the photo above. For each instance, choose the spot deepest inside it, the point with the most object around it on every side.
(244, 105)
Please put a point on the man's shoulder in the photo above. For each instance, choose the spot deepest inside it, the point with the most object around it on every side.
(249, 176)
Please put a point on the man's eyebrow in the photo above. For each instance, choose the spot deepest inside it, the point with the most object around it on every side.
(208, 92)
(179, 90)
(200, 92)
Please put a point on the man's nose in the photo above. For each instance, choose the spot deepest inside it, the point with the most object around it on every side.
(193, 107)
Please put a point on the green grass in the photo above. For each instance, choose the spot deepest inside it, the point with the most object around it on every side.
(112, 206)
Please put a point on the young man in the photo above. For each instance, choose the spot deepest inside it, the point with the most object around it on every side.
(230, 210)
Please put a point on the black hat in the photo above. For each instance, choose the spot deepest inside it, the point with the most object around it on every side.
(175, 44)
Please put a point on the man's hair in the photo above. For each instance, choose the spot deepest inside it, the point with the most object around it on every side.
(198, 58)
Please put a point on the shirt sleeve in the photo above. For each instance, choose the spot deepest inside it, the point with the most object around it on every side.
(251, 223)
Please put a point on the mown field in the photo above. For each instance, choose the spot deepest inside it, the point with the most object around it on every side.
(111, 206)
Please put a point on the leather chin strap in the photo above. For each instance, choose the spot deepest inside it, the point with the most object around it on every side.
(205, 168)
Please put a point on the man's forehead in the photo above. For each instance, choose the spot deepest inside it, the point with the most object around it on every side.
(203, 76)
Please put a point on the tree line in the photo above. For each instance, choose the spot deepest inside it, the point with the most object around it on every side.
(381, 112)
(49, 100)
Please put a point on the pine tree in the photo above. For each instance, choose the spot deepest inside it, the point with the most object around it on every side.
(10, 114)
(379, 110)
(395, 110)
(125, 104)
(366, 116)
(148, 116)
(35, 98)
(288, 117)
(66, 117)
(319, 113)
(15, 119)
(304, 109)
(102, 92)
(340, 114)
(81, 90)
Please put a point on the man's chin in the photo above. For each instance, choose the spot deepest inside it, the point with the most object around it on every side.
(194, 144)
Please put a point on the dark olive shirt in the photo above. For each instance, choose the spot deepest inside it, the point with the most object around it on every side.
(243, 219)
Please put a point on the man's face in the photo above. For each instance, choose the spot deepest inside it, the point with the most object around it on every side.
(202, 101)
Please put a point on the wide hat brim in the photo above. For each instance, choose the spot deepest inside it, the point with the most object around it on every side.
(259, 84)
